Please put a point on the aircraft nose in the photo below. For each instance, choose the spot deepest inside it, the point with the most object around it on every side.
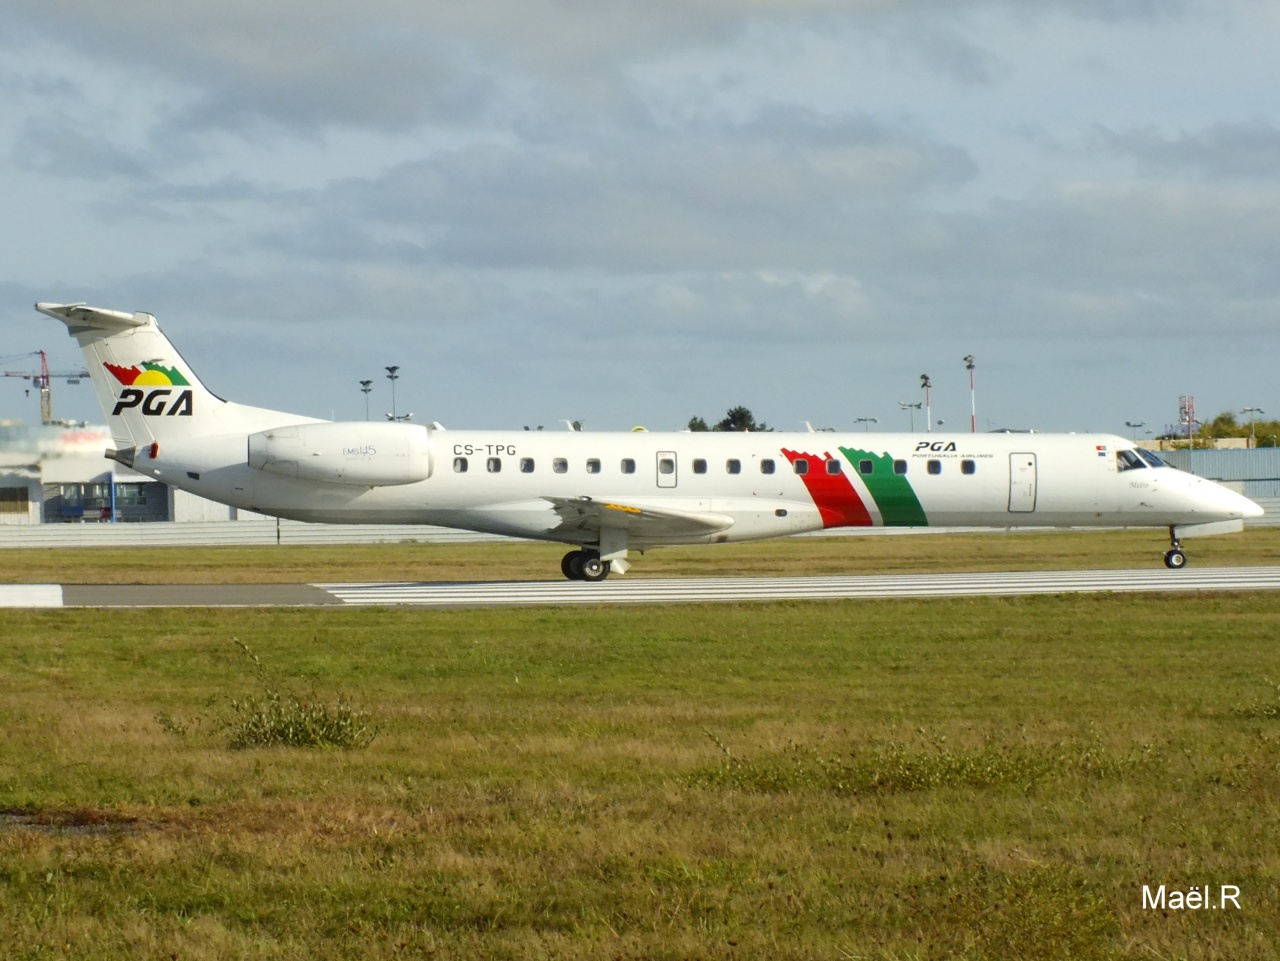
(1237, 504)
(1226, 503)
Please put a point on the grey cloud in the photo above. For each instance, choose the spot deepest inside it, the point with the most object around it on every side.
(542, 223)
(1103, 262)
(56, 145)
(774, 194)
(1249, 150)
(389, 65)
(48, 87)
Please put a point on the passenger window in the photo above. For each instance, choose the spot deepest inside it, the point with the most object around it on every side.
(459, 465)
(865, 467)
(560, 465)
(628, 465)
(494, 465)
(733, 466)
(593, 465)
(526, 465)
(968, 467)
(767, 466)
(833, 467)
(699, 465)
(935, 467)
(899, 467)
(666, 465)
(801, 465)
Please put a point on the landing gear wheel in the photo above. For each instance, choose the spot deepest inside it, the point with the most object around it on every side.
(594, 569)
(584, 566)
(1174, 559)
(571, 565)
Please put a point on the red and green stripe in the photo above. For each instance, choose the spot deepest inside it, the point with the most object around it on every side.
(892, 492)
(839, 502)
(833, 494)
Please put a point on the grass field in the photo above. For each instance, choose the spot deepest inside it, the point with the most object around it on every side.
(978, 778)
(526, 560)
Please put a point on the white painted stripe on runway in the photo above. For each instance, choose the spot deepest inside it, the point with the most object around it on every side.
(711, 589)
(30, 595)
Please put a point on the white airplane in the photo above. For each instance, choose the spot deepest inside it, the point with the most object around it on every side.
(611, 493)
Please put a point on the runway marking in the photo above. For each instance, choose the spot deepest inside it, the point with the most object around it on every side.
(723, 589)
(671, 590)
(30, 595)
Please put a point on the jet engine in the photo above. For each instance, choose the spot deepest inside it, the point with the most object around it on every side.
(358, 453)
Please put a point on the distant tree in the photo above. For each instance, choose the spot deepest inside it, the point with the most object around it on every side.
(737, 419)
(740, 419)
(1224, 425)
(1227, 424)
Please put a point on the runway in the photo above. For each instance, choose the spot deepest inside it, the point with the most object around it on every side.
(642, 590)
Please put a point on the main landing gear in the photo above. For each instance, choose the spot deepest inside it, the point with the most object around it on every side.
(1174, 558)
(584, 565)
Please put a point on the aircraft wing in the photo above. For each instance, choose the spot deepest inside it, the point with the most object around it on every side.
(589, 514)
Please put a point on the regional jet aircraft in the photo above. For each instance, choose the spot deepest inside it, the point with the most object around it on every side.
(607, 494)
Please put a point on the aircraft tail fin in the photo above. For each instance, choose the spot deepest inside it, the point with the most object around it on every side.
(146, 389)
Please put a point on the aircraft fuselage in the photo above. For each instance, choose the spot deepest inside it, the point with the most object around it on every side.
(611, 492)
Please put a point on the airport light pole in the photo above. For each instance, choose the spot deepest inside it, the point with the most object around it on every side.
(1135, 424)
(393, 377)
(904, 405)
(927, 384)
(868, 421)
(973, 398)
(365, 387)
(1252, 412)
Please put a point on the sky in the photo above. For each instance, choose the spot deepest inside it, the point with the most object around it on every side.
(631, 214)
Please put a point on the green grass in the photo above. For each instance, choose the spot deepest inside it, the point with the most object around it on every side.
(526, 560)
(977, 778)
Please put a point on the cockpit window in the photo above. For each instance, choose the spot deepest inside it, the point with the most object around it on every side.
(1151, 458)
(1128, 460)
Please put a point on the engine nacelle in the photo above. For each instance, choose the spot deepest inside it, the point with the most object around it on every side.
(358, 453)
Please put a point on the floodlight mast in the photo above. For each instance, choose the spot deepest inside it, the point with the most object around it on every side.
(912, 408)
(365, 387)
(393, 377)
(1252, 412)
(973, 398)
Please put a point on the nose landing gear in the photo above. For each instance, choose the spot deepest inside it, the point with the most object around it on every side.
(1174, 558)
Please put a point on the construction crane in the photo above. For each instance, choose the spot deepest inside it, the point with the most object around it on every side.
(40, 379)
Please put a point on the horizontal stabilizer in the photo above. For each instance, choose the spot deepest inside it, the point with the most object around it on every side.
(81, 317)
(589, 514)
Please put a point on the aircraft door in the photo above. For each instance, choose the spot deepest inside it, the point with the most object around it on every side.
(1022, 483)
(666, 468)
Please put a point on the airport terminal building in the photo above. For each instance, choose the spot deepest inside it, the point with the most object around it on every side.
(60, 475)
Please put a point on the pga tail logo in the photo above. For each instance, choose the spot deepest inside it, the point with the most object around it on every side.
(151, 387)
